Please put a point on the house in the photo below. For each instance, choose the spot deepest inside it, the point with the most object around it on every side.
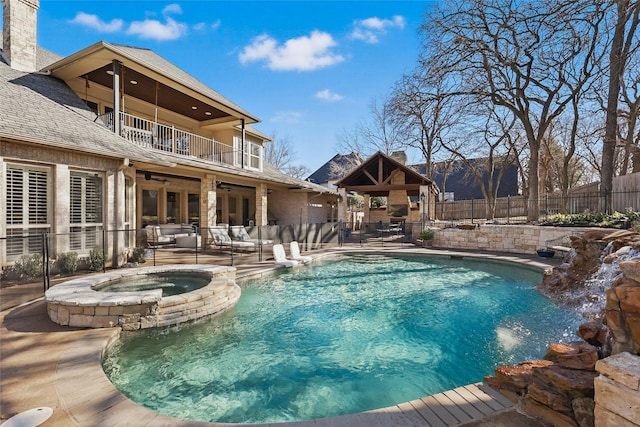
(116, 137)
(335, 169)
(460, 183)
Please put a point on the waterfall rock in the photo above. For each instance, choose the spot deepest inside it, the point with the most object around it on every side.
(574, 355)
(631, 270)
(594, 332)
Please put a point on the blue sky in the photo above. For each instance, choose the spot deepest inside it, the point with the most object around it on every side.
(308, 69)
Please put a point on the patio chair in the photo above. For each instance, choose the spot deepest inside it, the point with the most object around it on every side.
(220, 237)
(239, 233)
(280, 256)
(294, 248)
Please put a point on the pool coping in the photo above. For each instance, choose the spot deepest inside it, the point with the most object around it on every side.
(87, 397)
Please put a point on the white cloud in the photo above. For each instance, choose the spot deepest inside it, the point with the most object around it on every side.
(95, 23)
(172, 8)
(199, 26)
(369, 30)
(156, 30)
(304, 53)
(216, 25)
(287, 117)
(327, 95)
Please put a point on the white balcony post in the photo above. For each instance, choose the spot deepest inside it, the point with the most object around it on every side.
(116, 96)
(173, 139)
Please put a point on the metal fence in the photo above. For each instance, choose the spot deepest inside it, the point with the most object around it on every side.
(52, 257)
(514, 210)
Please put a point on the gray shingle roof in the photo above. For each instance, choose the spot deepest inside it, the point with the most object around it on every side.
(336, 168)
(42, 109)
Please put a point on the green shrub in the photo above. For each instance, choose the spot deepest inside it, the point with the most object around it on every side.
(137, 255)
(29, 266)
(67, 262)
(426, 234)
(96, 260)
(594, 219)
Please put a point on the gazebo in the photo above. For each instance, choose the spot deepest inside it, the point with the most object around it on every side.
(389, 176)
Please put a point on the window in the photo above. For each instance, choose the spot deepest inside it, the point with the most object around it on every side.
(173, 207)
(149, 207)
(193, 208)
(28, 209)
(85, 211)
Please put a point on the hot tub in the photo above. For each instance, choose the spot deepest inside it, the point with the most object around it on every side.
(134, 302)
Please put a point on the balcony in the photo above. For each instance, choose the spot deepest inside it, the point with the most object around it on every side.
(147, 133)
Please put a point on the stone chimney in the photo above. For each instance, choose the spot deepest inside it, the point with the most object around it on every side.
(19, 34)
(399, 156)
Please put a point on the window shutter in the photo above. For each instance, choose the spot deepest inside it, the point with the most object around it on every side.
(15, 196)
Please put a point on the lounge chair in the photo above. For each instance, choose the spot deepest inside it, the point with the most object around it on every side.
(295, 253)
(220, 237)
(239, 233)
(280, 257)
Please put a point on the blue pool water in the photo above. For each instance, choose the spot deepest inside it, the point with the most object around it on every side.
(171, 283)
(349, 335)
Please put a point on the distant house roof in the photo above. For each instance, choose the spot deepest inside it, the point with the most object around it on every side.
(464, 186)
(375, 174)
(336, 168)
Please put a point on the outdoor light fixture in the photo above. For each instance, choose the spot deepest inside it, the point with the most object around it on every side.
(194, 108)
(133, 82)
(340, 197)
(207, 113)
(422, 197)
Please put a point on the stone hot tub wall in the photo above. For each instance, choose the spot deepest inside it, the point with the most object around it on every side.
(75, 303)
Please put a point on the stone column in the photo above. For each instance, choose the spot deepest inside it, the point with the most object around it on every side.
(3, 211)
(425, 201)
(61, 206)
(342, 205)
(367, 208)
(207, 203)
(261, 205)
(119, 215)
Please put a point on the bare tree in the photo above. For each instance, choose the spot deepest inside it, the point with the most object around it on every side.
(629, 111)
(377, 134)
(494, 140)
(627, 19)
(516, 56)
(424, 112)
(281, 155)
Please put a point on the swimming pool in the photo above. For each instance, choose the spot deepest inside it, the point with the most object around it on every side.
(356, 333)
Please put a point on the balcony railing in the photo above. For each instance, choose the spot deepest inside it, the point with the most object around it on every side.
(147, 133)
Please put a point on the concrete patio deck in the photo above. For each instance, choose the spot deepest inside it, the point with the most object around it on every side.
(44, 364)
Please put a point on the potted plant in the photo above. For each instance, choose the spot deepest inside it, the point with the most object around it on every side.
(426, 236)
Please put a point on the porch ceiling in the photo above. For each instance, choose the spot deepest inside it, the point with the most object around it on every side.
(147, 88)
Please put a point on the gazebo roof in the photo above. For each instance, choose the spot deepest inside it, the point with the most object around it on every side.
(375, 174)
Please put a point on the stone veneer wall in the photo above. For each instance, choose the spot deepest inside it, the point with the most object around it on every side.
(524, 239)
(617, 391)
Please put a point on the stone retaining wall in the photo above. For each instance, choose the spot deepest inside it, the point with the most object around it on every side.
(523, 239)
